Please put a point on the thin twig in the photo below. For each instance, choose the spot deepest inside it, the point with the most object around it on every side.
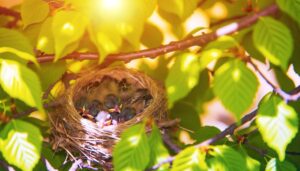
(228, 131)
(171, 47)
(9, 12)
(4, 165)
(285, 96)
(219, 22)
(294, 153)
(170, 144)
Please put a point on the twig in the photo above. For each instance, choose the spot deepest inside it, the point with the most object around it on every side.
(228, 131)
(293, 153)
(170, 144)
(9, 12)
(4, 165)
(286, 96)
(227, 20)
(27, 112)
(171, 47)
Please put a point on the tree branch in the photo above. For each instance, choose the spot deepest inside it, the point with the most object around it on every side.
(228, 131)
(285, 96)
(9, 12)
(12, 13)
(171, 47)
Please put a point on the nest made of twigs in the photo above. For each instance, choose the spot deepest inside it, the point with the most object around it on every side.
(83, 138)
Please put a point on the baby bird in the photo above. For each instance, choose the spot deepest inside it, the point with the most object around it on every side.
(109, 84)
(81, 103)
(112, 103)
(94, 107)
(141, 96)
(126, 114)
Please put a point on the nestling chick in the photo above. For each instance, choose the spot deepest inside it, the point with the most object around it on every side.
(109, 85)
(94, 107)
(112, 103)
(127, 113)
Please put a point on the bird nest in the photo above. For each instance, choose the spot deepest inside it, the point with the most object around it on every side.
(98, 106)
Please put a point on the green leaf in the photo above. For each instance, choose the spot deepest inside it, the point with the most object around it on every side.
(20, 54)
(56, 159)
(21, 144)
(183, 76)
(106, 38)
(20, 82)
(204, 133)
(45, 40)
(67, 27)
(132, 151)
(277, 122)
(273, 39)
(275, 165)
(152, 35)
(190, 158)
(181, 8)
(188, 115)
(34, 11)
(15, 46)
(226, 159)
(222, 43)
(252, 164)
(216, 49)
(236, 86)
(291, 7)
(158, 150)
(49, 73)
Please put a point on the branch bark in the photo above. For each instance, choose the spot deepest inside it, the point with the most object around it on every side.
(173, 46)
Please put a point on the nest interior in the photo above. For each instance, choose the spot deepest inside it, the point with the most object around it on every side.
(82, 137)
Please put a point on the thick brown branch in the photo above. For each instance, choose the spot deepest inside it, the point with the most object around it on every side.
(173, 46)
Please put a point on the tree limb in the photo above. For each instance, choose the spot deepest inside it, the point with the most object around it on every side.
(171, 47)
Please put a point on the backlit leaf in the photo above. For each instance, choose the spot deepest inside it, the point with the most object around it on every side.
(183, 76)
(20, 82)
(20, 54)
(15, 46)
(190, 159)
(45, 41)
(158, 150)
(291, 7)
(252, 164)
(275, 165)
(34, 11)
(132, 151)
(226, 159)
(273, 39)
(236, 86)
(181, 8)
(106, 38)
(277, 122)
(67, 27)
(21, 144)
